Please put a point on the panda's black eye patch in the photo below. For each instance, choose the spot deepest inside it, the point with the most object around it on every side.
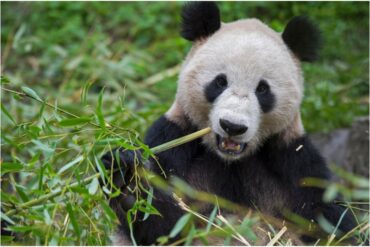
(262, 87)
(215, 87)
(265, 97)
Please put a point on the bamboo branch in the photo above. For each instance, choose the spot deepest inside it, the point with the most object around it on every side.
(156, 150)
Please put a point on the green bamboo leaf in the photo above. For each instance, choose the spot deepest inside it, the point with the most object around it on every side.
(31, 93)
(227, 241)
(101, 169)
(7, 239)
(21, 228)
(359, 194)
(71, 214)
(74, 121)
(246, 229)
(70, 164)
(99, 111)
(41, 111)
(6, 218)
(325, 224)
(132, 211)
(6, 113)
(34, 160)
(147, 208)
(93, 186)
(21, 193)
(180, 225)
(10, 167)
(5, 197)
(149, 202)
(162, 240)
(330, 193)
(4, 80)
(43, 146)
(47, 217)
(85, 91)
(106, 191)
(211, 218)
(354, 179)
(56, 115)
(108, 210)
(190, 236)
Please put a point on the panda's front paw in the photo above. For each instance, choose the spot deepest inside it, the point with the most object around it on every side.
(120, 165)
(119, 158)
(123, 164)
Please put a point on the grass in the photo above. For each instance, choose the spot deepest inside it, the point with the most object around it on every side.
(101, 73)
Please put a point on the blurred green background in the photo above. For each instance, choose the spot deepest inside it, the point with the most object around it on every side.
(56, 48)
(67, 52)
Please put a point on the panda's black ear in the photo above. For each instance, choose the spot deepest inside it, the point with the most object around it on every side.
(303, 37)
(199, 20)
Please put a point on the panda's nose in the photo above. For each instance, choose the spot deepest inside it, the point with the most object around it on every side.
(231, 128)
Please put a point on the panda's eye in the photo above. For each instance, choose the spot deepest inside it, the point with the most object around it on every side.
(262, 87)
(216, 87)
(221, 81)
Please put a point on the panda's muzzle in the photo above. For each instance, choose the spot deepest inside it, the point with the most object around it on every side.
(228, 146)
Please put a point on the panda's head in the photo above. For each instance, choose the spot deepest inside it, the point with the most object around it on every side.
(242, 79)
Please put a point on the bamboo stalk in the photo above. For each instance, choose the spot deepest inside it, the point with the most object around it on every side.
(181, 140)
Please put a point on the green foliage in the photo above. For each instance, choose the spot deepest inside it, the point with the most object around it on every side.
(86, 66)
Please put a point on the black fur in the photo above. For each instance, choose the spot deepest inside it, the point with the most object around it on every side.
(303, 37)
(199, 20)
(265, 97)
(259, 180)
(163, 131)
(215, 88)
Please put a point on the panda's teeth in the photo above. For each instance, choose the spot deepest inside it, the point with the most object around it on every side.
(229, 146)
(223, 145)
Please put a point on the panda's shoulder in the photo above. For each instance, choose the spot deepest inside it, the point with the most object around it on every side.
(164, 130)
(295, 153)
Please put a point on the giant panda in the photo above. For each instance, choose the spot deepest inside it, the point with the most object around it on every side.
(244, 80)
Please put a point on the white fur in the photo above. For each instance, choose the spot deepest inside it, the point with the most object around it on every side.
(245, 51)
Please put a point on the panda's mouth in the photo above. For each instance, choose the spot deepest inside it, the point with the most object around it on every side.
(228, 146)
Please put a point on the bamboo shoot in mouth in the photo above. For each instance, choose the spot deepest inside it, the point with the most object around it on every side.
(181, 140)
